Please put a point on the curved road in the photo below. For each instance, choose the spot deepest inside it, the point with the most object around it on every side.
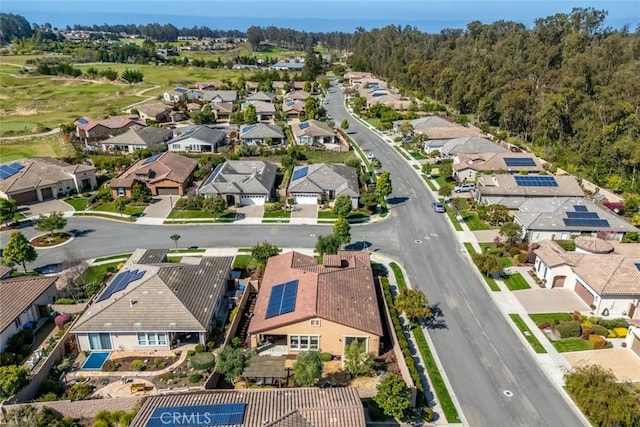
(481, 354)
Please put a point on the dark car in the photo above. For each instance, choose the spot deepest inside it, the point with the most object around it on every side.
(438, 207)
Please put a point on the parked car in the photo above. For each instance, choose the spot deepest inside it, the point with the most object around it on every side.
(370, 156)
(464, 188)
(438, 207)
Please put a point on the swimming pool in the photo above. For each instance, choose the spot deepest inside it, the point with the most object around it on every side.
(95, 360)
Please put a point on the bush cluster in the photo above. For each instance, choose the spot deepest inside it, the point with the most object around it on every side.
(110, 366)
(569, 329)
(200, 361)
(194, 378)
(596, 342)
(326, 357)
(138, 365)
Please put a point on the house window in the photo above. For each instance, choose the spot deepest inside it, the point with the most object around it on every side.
(121, 192)
(100, 341)
(175, 146)
(17, 322)
(304, 342)
(152, 338)
(315, 323)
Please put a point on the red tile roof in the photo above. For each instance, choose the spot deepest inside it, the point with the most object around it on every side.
(342, 291)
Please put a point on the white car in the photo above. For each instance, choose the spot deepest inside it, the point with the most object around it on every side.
(370, 156)
(464, 188)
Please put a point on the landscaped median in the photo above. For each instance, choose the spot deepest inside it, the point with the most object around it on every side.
(489, 280)
(537, 347)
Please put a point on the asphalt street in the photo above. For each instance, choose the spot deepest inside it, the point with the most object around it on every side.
(481, 354)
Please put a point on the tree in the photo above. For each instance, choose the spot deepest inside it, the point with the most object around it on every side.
(446, 170)
(383, 186)
(511, 231)
(215, 205)
(308, 368)
(342, 230)
(375, 164)
(230, 363)
(414, 303)
(132, 76)
(175, 238)
(601, 398)
(369, 201)
(250, 115)
(344, 124)
(342, 205)
(487, 263)
(120, 204)
(329, 244)
(140, 193)
(19, 251)
(12, 379)
(53, 222)
(406, 129)
(7, 208)
(204, 116)
(445, 190)
(631, 203)
(356, 359)
(393, 396)
(261, 252)
(496, 214)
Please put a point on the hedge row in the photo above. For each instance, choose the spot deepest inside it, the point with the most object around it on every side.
(402, 340)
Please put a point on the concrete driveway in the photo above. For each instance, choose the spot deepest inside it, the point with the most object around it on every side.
(160, 207)
(622, 361)
(304, 214)
(44, 208)
(250, 214)
(550, 301)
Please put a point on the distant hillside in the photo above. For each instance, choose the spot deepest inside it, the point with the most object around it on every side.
(12, 26)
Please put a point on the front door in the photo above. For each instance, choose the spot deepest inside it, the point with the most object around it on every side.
(86, 184)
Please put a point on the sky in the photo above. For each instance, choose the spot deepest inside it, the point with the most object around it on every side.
(310, 15)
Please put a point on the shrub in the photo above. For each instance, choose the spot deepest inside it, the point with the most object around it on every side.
(79, 391)
(64, 301)
(48, 397)
(166, 377)
(203, 360)
(190, 353)
(427, 414)
(138, 365)
(194, 378)
(597, 342)
(159, 363)
(199, 348)
(326, 357)
(613, 323)
(544, 325)
(620, 332)
(569, 329)
(586, 332)
(61, 319)
(600, 330)
(110, 366)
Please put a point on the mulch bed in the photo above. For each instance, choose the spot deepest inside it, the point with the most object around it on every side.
(152, 363)
(49, 240)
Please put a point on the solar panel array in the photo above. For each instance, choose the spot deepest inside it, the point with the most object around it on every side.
(303, 125)
(120, 282)
(580, 208)
(535, 181)
(582, 222)
(638, 266)
(282, 299)
(247, 128)
(290, 102)
(83, 120)
(152, 158)
(300, 173)
(583, 215)
(198, 415)
(519, 161)
(7, 171)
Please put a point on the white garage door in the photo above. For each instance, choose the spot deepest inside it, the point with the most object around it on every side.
(252, 200)
(305, 199)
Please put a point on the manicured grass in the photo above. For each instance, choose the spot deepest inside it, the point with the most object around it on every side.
(17, 216)
(95, 275)
(108, 258)
(175, 258)
(241, 262)
(355, 215)
(515, 282)
(473, 222)
(374, 121)
(53, 146)
(129, 209)
(416, 154)
(244, 250)
(186, 213)
(99, 215)
(186, 250)
(277, 214)
(451, 215)
(402, 153)
(505, 262)
(323, 156)
(416, 167)
(469, 247)
(429, 183)
(570, 344)
(397, 272)
(276, 221)
(550, 317)
(489, 280)
(537, 347)
(78, 203)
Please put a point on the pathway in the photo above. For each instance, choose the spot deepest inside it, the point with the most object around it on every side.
(141, 93)
(32, 135)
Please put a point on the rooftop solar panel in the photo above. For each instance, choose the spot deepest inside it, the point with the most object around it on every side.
(580, 208)
(247, 128)
(638, 266)
(519, 161)
(535, 181)
(583, 215)
(198, 415)
(152, 159)
(282, 299)
(581, 222)
(120, 282)
(300, 173)
(7, 171)
(15, 166)
(4, 174)
(290, 102)
(83, 120)
(303, 125)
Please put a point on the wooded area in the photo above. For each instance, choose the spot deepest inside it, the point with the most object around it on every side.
(568, 87)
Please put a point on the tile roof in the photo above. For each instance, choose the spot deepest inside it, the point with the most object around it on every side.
(224, 95)
(153, 109)
(340, 178)
(300, 95)
(5, 270)
(18, 293)
(39, 172)
(203, 134)
(226, 107)
(470, 145)
(495, 161)
(428, 122)
(505, 185)
(313, 128)
(344, 295)
(261, 107)
(168, 165)
(292, 105)
(148, 136)
(261, 96)
(114, 122)
(239, 176)
(315, 407)
(261, 130)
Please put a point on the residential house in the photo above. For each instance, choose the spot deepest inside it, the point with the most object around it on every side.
(222, 111)
(214, 97)
(42, 178)
(265, 111)
(279, 86)
(313, 132)
(210, 86)
(470, 145)
(604, 274)
(156, 111)
(193, 107)
(297, 95)
(425, 123)
(198, 139)
(323, 181)
(241, 182)
(300, 85)
(263, 407)
(181, 94)
(251, 87)
(293, 109)
(386, 97)
(467, 166)
(261, 134)
(152, 304)
(177, 116)
(90, 130)
(490, 188)
(149, 137)
(291, 66)
(354, 78)
(165, 174)
(304, 306)
(24, 303)
(261, 96)
(543, 218)
(633, 336)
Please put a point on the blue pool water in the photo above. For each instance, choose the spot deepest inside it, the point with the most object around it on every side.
(95, 360)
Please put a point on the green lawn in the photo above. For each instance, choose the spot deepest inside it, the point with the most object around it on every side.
(515, 282)
(78, 203)
(429, 183)
(550, 317)
(323, 156)
(277, 214)
(397, 272)
(402, 153)
(186, 213)
(417, 154)
(537, 347)
(473, 222)
(100, 215)
(108, 258)
(570, 344)
(241, 262)
(505, 262)
(489, 280)
(451, 215)
(186, 250)
(53, 146)
(95, 275)
(129, 209)
(469, 247)
(374, 121)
